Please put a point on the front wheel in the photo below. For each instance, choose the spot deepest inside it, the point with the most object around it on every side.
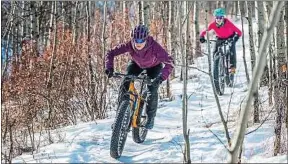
(139, 134)
(219, 74)
(120, 129)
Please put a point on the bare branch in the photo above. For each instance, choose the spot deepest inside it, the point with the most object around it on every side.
(257, 73)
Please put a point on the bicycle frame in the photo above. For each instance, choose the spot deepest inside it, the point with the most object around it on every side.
(223, 51)
(135, 102)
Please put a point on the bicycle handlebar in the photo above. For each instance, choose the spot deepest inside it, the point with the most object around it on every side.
(146, 79)
(229, 40)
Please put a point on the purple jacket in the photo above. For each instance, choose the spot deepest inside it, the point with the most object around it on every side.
(151, 55)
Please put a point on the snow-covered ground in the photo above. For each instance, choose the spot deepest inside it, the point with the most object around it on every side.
(90, 142)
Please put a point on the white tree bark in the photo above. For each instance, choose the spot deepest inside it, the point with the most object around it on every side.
(145, 7)
(261, 20)
(212, 82)
(196, 49)
(242, 12)
(253, 60)
(184, 38)
(279, 90)
(51, 23)
(286, 18)
(74, 17)
(257, 73)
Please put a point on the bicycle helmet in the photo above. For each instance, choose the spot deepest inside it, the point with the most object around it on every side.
(219, 12)
(140, 32)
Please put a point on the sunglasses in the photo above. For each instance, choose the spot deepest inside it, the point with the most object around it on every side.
(219, 17)
(139, 40)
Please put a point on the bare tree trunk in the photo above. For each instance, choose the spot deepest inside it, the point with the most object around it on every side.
(165, 16)
(253, 8)
(63, 19)
(11, 143)
(51, 23)
(9, 38)
(189, 48)
(92, 82)
(261, 25)
(268, 7)
(271, 69)
(22, 22)
(253, 61)
(257, 73)
(185, 38)
(6, 63)
(146, 13)
(104, 80)
(172, 32)
(196, 30)
(242, 12)
(180, 15)
(261, 20)
(279, 90)
(74, 25)
(236, 7)
(210, 6)
(219, 4)
(140, 11)
(286, 18)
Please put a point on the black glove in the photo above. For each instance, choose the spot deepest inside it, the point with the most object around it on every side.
(157, 81)
(109, 72)
(235, 38)
(202, 39)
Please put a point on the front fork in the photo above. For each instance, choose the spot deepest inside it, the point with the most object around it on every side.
(135, 102)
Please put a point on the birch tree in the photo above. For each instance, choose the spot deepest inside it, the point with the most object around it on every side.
(257, 73)
(268, 6)
(50, 105)
(253, 60)
(279, 89)
(196, 29)
(242, 12)
(172, 36)
(286, 18)
(183, 43)
(261, 25)
(146, 13)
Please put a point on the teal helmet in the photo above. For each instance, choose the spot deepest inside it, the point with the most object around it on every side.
(219, 12)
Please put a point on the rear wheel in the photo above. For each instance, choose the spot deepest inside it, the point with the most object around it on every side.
(219, 74)
(120, 129)
(139, 134)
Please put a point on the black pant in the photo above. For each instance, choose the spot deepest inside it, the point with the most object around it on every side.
(233, 60)
(152, 95)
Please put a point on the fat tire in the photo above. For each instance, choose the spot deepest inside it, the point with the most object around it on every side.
(121, 127)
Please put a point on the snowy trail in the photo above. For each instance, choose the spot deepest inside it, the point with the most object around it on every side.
(89, 142)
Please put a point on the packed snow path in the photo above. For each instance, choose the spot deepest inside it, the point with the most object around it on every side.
(90, 142)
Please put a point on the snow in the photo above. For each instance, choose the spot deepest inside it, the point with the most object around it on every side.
(90, 142)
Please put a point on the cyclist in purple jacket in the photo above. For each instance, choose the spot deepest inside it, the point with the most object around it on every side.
(147, 55)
